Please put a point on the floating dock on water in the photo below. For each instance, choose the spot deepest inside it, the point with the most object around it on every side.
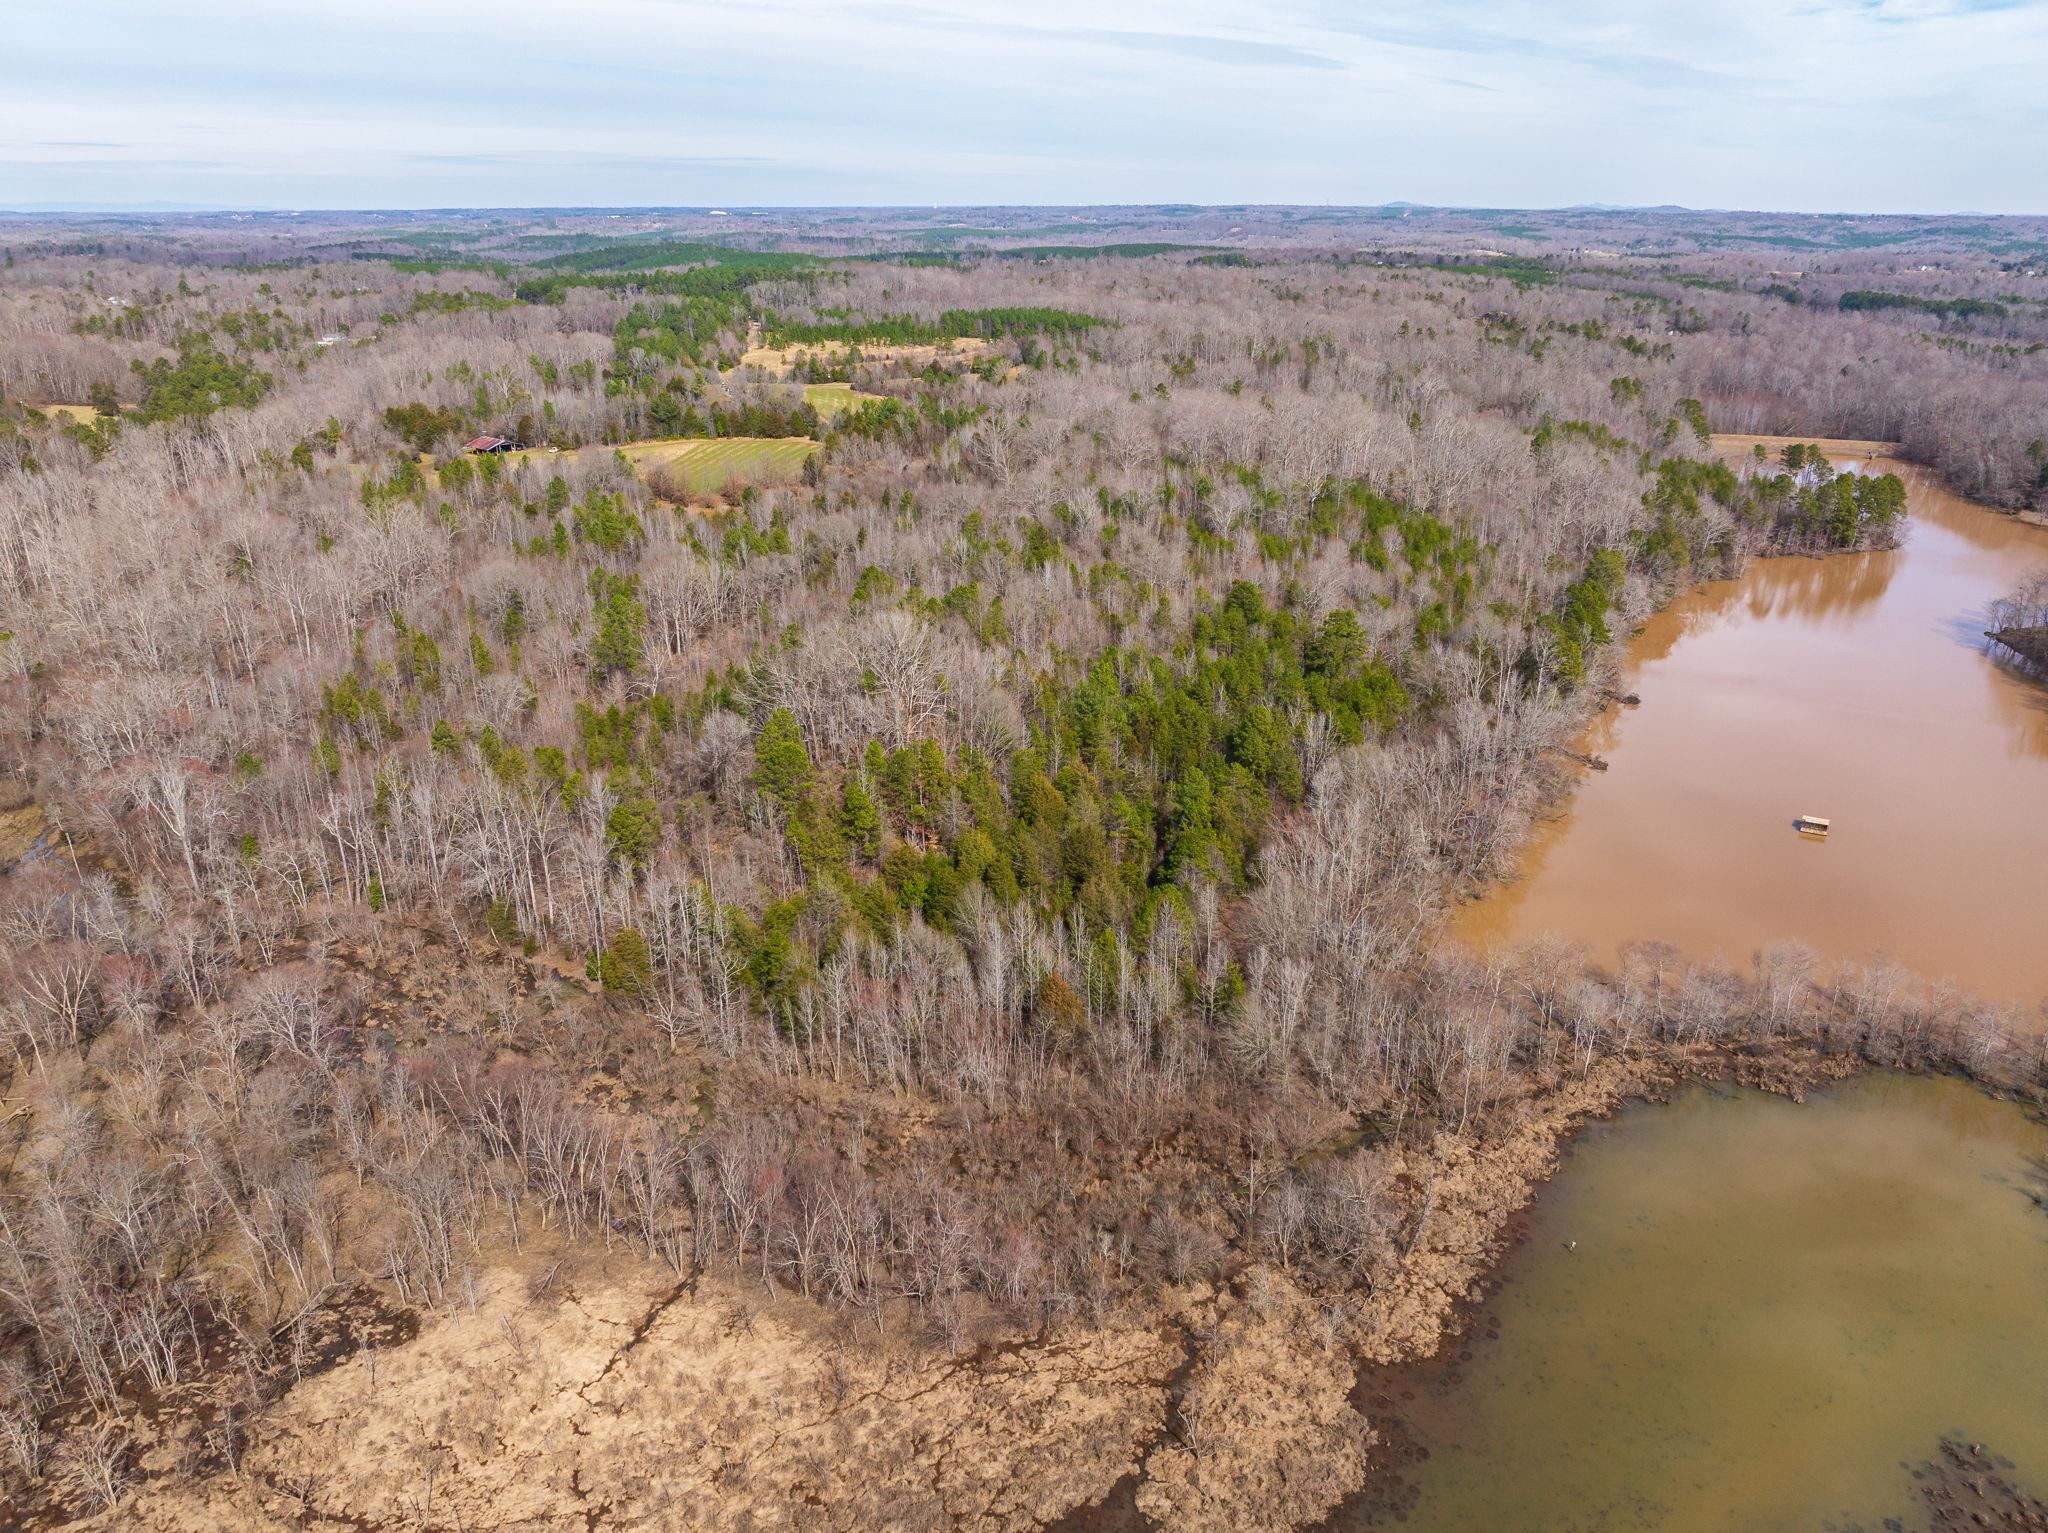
(1811, 825)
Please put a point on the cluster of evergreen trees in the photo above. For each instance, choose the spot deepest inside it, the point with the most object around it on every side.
(841, 327)
(202, 379)
(1811, 505)
(1868, 300)
(1144, 773)
(669, 415)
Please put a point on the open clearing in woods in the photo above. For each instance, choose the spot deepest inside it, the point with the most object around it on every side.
(707, 465)
(81, 414)
(1745, 445)
(704, 465)
(830, 399)
(783, 358)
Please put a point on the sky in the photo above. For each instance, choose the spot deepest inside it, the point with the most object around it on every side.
(1811, 105)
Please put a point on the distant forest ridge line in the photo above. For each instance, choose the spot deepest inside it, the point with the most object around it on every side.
(737, 209)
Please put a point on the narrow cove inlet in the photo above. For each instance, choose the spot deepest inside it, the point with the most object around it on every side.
(1858, 687)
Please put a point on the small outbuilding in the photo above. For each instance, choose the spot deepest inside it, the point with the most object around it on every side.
(490, 444)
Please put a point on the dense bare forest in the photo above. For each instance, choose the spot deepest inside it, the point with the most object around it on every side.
(914, 784)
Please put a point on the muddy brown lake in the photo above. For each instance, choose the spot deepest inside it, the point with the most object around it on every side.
(1858, 687)
(1737, 1314)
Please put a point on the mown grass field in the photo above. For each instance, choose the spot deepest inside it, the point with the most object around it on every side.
(706, 466)
(780, 359)
(830, 399)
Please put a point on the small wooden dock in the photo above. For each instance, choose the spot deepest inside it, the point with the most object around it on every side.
(1811, 825)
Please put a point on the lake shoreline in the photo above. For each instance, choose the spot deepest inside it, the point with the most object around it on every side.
(1873, 448)
(1730, 745)
(1608, 695)
(1791, 1068)
(1312, 1436)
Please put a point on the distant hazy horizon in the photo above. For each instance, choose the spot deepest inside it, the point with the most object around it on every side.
(1901, 106)
(58, 208)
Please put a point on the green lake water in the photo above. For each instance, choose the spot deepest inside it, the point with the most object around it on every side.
(1773, 1312)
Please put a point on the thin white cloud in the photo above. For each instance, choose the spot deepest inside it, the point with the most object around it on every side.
(1231, 50)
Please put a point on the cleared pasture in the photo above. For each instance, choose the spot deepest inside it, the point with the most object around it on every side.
(702, 466)
(782, 359)
(831, 399)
